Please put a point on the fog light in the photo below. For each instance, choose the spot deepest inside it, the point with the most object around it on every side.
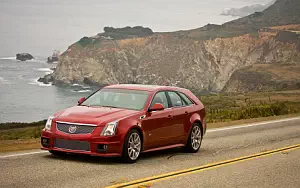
(102, 148)
(45, 142)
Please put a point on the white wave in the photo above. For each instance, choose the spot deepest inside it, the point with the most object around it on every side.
(76, 85)
(32, 60)
(36, 82)
(3, 80)
(46, 70)
(82, 91)
(37, 61)
(8, 58)
(86, 87)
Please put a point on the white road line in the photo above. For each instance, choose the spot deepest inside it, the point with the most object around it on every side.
(22, 154)
(209, 130)
(251, 124)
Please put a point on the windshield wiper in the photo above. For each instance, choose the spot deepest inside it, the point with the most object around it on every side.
(108, 106)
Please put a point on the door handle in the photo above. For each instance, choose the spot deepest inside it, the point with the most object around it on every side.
(170, 117)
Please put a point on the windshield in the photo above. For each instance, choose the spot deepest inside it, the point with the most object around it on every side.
(118, 98)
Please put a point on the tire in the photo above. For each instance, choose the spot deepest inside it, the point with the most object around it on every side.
(132, 147)
(195, 139)
(57, 153)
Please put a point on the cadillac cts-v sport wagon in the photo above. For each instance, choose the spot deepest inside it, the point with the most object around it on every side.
(125, 120)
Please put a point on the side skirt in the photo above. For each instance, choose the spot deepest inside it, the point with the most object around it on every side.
(163, 148)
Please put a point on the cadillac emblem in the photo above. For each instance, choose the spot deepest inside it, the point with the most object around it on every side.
(72, 129)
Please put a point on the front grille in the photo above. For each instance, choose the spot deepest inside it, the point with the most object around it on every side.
(72, 144)
(79, 129)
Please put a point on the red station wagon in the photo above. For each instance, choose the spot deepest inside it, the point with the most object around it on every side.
(125, 120)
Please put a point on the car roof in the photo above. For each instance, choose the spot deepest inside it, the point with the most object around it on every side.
(142, 87)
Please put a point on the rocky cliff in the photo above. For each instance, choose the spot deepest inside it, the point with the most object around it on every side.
(273, 73)
(202, 59)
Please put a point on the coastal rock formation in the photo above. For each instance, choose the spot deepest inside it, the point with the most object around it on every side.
(203, 59)
(164, 59)
(24, 56)
(275, 74)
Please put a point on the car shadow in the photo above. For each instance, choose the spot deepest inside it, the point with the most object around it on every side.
(167, 154)
(85, 158)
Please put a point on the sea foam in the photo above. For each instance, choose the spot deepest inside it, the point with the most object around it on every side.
(8, 58)
(3, 80)
(46, 70)
(82, 91)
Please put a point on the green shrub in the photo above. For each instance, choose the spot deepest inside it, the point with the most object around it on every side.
(21, 133)
(252, 111)
(15, 125)
(84, 41)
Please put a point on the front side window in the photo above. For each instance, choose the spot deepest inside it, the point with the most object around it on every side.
(118, 98)
(175, 99)
(160, 98)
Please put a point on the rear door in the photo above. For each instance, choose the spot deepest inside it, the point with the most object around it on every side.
(189, 110)
(179, 113)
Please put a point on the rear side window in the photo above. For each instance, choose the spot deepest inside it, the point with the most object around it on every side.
(186, 99)
(175, 99)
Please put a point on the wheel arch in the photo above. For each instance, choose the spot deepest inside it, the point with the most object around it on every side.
(201, 126)
(135, 127)
(195, 118)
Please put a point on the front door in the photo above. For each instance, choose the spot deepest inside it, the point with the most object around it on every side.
(156, 124)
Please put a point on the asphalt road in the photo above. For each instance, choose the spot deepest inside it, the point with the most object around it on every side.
(278, 169)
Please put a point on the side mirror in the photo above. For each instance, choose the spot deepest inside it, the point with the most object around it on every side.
(81, 100)
(157, 107)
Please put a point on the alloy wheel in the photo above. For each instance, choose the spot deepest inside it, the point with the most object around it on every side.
(196, 137)
(134, 146)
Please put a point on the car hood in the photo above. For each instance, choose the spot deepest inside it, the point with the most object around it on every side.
(93, 115)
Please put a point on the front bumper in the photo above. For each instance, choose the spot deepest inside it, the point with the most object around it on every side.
(81, 144)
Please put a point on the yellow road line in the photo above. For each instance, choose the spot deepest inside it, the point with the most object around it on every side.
(149, 180)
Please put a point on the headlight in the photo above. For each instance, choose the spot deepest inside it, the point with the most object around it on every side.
(48, 123)
(110, 129)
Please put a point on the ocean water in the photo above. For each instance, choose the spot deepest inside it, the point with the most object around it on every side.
(41, 26)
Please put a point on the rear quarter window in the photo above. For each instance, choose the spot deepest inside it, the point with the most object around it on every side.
(175, 99)
(187, 100)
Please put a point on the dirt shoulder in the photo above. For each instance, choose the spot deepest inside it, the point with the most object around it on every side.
(19, 145)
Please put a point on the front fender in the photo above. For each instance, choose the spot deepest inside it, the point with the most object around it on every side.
(126, 125)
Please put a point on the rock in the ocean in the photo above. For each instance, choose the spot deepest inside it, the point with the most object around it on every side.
(24, 56)
(52, 59)
(46, 79)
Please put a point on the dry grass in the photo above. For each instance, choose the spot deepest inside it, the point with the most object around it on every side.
(231, 107)
(19, 145)
(281, 71)
(293, 27)
(246, 121)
